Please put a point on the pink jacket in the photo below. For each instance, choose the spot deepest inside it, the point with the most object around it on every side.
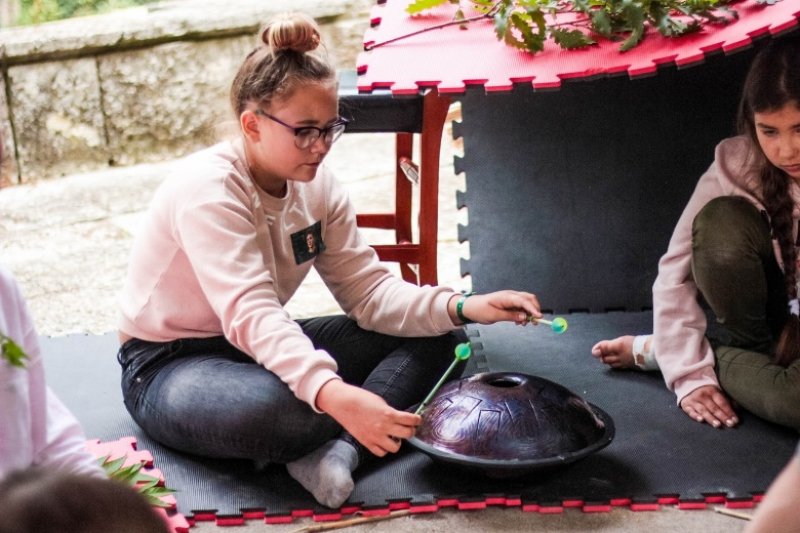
(35, 427)
(218, 256)
(682, 351)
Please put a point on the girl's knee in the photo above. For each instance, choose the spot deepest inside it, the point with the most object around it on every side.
(730, 223)
(727, 210)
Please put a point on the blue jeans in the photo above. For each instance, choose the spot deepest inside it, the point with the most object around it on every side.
(205, 397)
(734, 266)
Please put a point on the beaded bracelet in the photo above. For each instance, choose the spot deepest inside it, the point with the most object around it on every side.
(460, 309)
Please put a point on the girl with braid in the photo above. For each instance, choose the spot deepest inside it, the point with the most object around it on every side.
(212, 364)
(736, 247)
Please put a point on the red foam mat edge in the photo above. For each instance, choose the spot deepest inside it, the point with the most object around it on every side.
(451, 59)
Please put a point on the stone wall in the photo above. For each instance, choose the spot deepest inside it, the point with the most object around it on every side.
(139, 85)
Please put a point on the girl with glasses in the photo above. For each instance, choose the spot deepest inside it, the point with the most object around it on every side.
(212, 363)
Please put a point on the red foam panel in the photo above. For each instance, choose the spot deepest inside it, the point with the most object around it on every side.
(126, 447)
(451, 59)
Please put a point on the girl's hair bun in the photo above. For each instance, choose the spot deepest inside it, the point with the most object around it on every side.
(291, 31)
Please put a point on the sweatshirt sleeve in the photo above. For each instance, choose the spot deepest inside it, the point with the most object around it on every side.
(366, 290)
(64, 447)
(679, 323)
(54, 437)
(216, 229)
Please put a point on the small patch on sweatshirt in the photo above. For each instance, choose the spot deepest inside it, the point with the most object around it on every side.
(307, 243)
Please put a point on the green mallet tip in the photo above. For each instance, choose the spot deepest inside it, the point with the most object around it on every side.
(463, 351)
(559, 325)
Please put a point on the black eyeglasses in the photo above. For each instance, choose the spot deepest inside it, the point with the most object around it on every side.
(305, 136)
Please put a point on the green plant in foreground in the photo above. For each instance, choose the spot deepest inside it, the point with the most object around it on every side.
(527, 24)
(38, 11)
(132, 475)
(11, 352)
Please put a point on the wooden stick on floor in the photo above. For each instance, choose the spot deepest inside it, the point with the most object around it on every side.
(351, 522)
(736, 514)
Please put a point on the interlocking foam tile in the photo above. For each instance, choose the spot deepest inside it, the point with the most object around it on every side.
(574, 194)
(695, 466)
(452, 59)
(126, 447)
(122, 447)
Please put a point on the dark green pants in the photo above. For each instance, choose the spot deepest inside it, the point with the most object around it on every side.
(734, 266)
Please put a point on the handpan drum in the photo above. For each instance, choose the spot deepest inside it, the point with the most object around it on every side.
(509, 424)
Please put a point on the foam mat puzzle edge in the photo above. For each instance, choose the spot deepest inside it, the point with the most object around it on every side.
(445, 58)
(126, 447)
(419, 500)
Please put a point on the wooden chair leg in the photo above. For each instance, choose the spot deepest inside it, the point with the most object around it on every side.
(435, 110)
(404, 148)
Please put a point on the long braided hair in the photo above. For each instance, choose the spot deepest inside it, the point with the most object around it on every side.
(772, 82)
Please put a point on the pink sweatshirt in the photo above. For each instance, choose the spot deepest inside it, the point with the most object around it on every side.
(35, 427)
(219, 256)
(682, 351)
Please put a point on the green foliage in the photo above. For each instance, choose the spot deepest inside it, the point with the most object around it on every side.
(527, 24)
(38, 11)
(132, 476)
(11, 352)
(419, 6)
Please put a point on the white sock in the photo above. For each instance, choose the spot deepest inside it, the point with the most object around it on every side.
(326, 472)
(644, 359)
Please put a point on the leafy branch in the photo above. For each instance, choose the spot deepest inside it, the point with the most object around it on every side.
(11, 352)
(132, 475)
(527, 24)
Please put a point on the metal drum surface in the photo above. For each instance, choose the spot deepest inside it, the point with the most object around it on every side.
(508, 424)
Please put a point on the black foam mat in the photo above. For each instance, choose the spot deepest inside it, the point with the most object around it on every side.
(657, 450)
(573, 194)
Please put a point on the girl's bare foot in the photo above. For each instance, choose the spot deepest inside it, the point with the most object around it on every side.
(627, 352)
(616, 353)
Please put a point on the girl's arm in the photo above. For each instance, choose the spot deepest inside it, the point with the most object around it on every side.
(382, 302)
(778, 511)
(55, 438)
(679, 323)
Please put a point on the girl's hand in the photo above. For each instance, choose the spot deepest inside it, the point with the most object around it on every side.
(512, 306)
(709, 404)
(367, 416)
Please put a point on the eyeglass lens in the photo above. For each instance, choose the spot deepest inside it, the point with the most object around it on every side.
(305, 137)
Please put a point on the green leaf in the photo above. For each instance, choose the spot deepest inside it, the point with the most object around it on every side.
(635, 16)
(154, 495)
(500, 24)
(132, 476)
(522, 23)
(12, 352)
(146, 482)
(571, 39)
(530, 31)
(128, 474)
(110, 467)
(601, 22)
(483, 6)
(418, 6)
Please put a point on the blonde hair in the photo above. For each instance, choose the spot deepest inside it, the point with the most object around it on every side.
(288, 57)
